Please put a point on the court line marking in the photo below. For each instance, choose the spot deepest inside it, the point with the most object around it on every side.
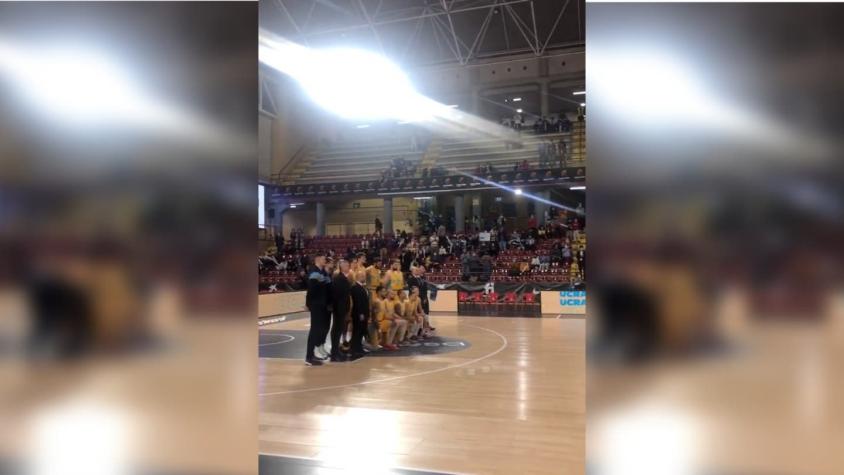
(396, 378)
(279, 342)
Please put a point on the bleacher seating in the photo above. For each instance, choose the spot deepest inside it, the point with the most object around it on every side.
(466, 154)
(362, 157)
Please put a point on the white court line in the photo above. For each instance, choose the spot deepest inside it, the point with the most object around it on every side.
(395, 378)
(279, 342)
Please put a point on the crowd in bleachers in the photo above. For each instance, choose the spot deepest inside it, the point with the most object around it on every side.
(486, 252)
(541, 125)
(399, 168)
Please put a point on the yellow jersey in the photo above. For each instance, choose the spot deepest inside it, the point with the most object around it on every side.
(373, 277)
(397, 306)
(378, 309)
(395, 280)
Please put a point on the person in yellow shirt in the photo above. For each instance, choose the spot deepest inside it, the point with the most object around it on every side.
(414, 314)
(418, 312)
(394, 278)
(358, 263)
(382, 326)
(393, 313)
(376, 315)
(402, 337)
(373, 277)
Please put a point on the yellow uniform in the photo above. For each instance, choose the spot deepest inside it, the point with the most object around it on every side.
(410, 307)
(395, 280)
(397, 306)
(379, 308)
(373, 278)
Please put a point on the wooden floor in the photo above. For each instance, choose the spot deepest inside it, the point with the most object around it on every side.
(513, 402)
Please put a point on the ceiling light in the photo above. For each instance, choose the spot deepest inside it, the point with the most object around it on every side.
(517, 99)
(578, 93)
(582, 104)
(518, 191)
(352, 83)
(519, 111)
(579, 187)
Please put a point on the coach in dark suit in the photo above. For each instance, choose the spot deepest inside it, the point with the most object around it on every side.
(340, 294)
(360, 313)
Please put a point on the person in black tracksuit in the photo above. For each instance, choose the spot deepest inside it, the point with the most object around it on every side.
(340, 288)
(316, 300)
(360, 314)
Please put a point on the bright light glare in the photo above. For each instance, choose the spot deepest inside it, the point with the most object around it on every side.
(362, 126)
(519, 111)
(663, 89)
(578, 93)
(647, 439)
(82, 86)
(655, 86)
(80, 438)
(517, 99)
(518, 191)
(577, 188)
(73, 84)
(352, 83)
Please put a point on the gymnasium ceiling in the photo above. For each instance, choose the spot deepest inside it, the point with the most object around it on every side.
(417, 33)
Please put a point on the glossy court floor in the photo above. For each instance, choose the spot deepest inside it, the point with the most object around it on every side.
(512, 401)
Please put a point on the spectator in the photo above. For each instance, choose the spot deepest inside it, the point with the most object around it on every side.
(544, 263)
(532, 224)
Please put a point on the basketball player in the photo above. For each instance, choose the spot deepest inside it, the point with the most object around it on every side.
(409, 305)
(417, 279)
(384, 319)
(373, 278)
(395, 313)
(358, 264)
(394, 278)
(416, 314)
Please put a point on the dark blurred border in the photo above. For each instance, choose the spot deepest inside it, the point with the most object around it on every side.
(715, 209)
(127, 281)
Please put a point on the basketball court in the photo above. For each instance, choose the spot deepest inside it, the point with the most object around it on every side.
(489, 395)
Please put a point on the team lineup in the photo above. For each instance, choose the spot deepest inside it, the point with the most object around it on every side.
(379, 312)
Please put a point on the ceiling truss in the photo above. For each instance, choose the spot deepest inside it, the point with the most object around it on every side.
(458, 27)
